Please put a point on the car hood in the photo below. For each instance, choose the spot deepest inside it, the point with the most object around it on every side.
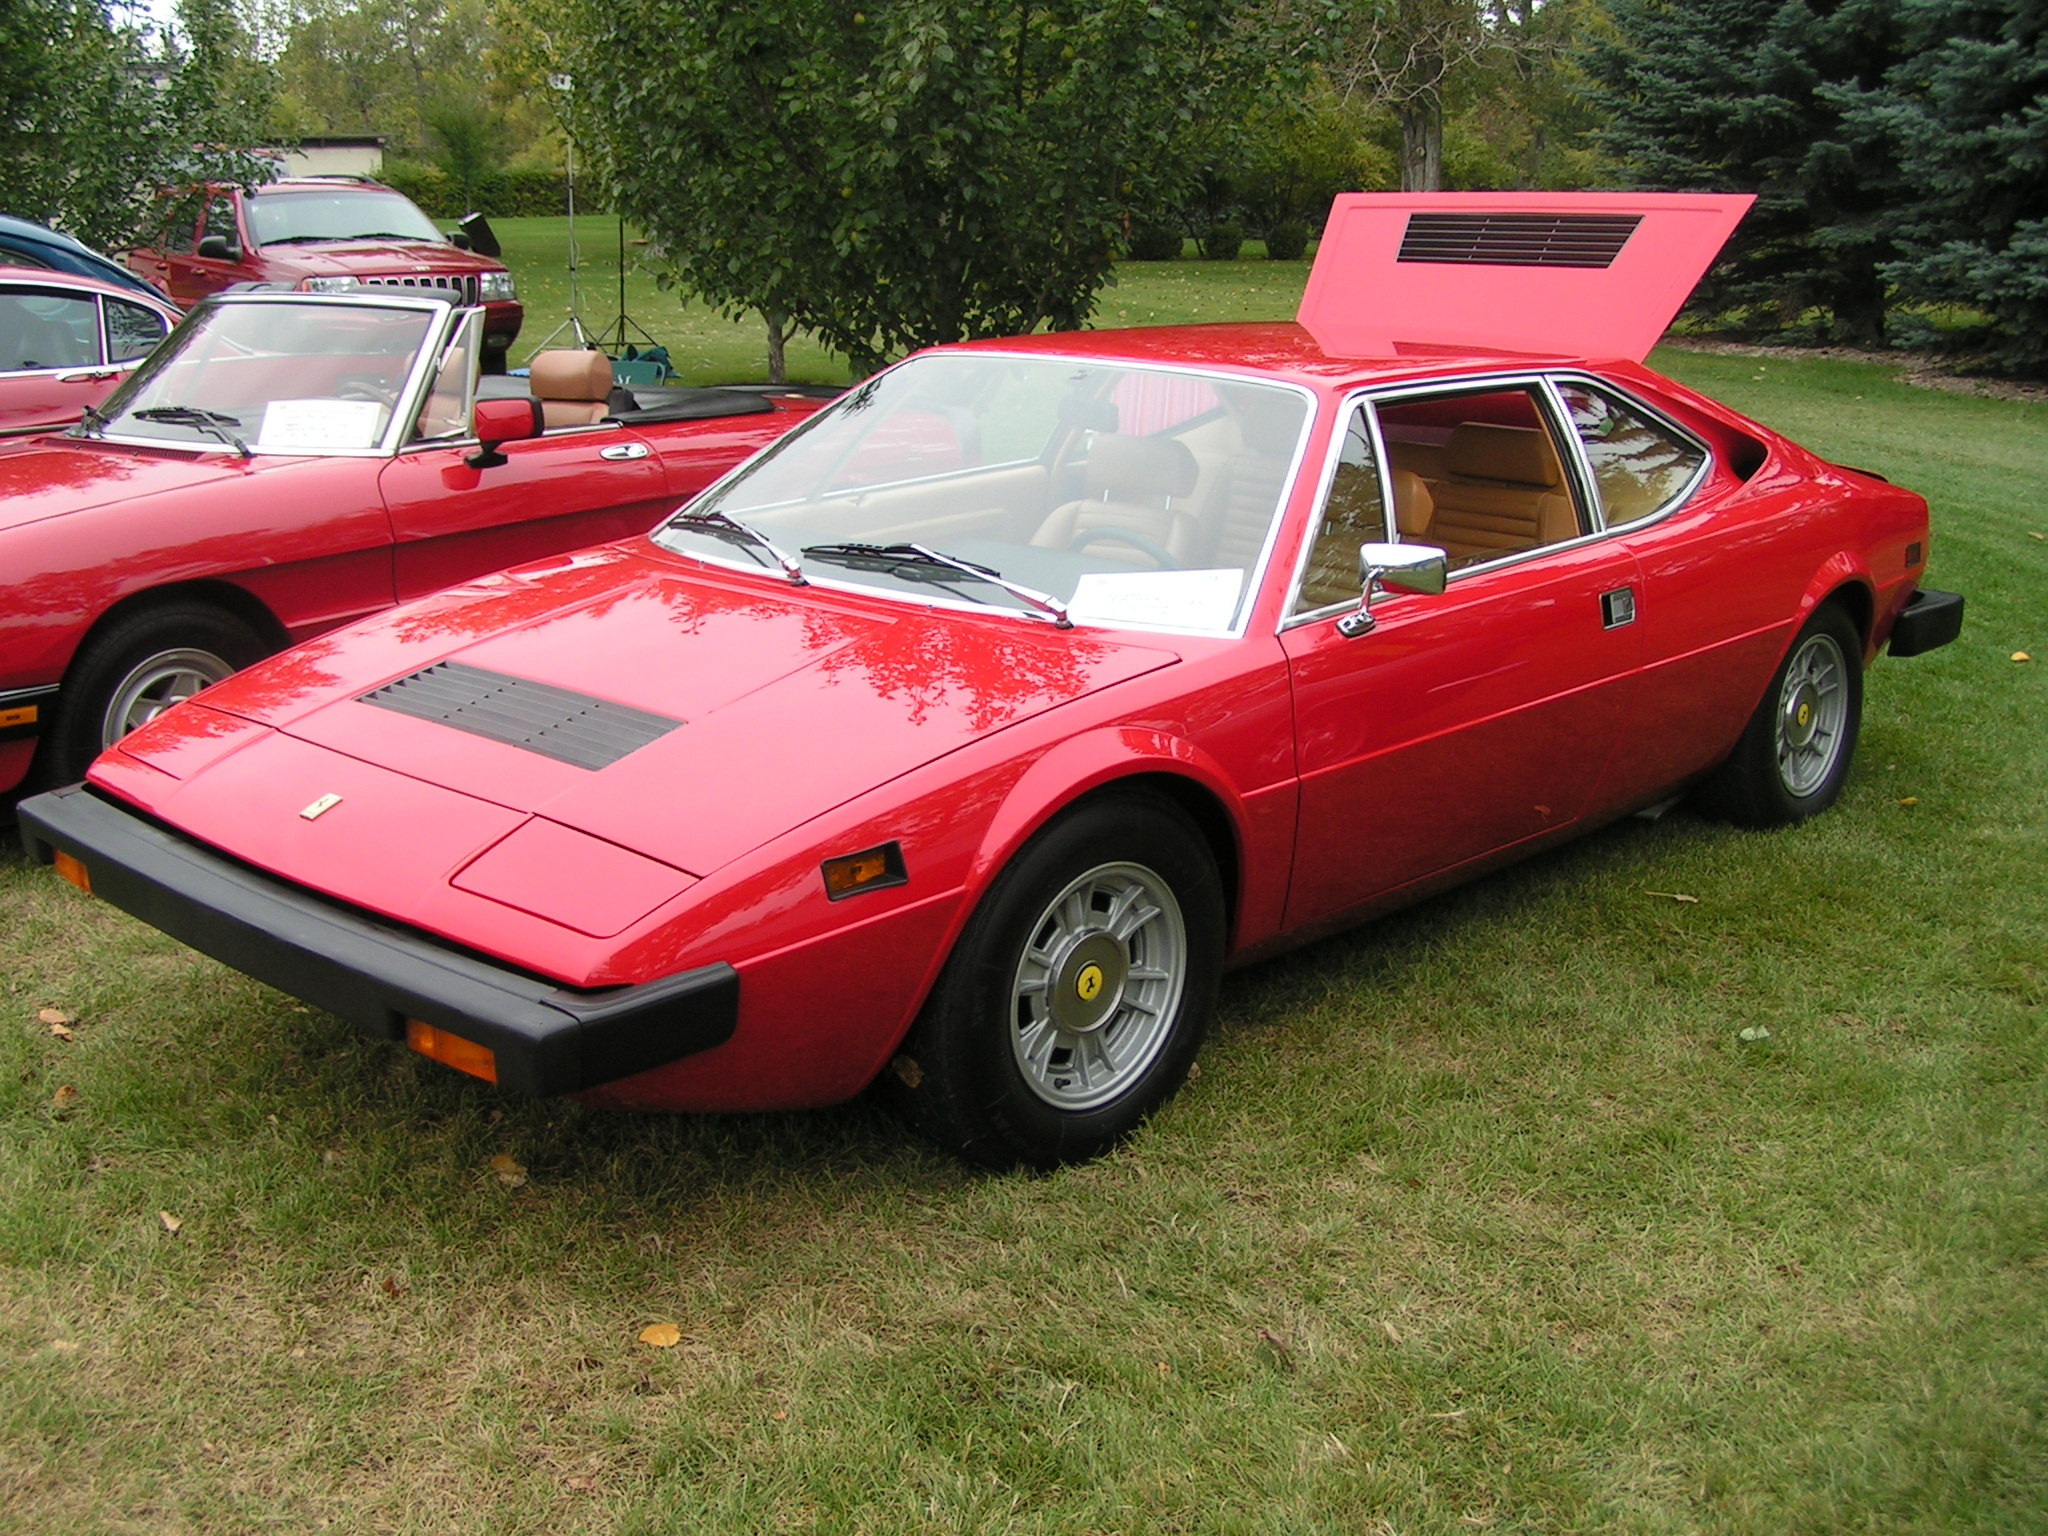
(740, 711)
(49, 476)
(358, 258)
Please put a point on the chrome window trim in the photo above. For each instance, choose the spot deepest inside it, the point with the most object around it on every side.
(1635, 402)
(1255, 575)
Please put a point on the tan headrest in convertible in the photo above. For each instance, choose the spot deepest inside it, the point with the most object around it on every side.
(1138, 468)
(1518, 455)
(571, 375)
(1413, 505)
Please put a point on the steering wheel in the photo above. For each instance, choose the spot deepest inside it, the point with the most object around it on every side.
(1150, 547)
(364, 386)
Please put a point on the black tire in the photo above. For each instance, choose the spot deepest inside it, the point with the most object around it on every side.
(1795, 753)
(961, 1075)
(118, 659)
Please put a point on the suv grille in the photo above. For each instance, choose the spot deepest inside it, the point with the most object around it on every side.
(457, 285)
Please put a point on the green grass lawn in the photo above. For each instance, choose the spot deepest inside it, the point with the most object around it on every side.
(1483, 1218)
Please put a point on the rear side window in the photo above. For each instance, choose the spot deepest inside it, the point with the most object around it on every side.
(1639, 467)
(132, 331)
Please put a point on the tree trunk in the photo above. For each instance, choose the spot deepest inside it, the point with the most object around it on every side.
(1422, 142)
(777, 335)
(1859, 305)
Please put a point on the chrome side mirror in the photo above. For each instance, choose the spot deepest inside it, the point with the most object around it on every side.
(1411, 567)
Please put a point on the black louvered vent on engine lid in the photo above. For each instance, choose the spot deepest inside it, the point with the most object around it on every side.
(569, 727)
(1517, 239)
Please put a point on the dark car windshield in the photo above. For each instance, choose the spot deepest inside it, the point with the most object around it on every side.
(364, 214)
(299, 376)
(1131, 495)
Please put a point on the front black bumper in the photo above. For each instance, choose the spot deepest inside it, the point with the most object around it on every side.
(547, 1038)
(1929, 621)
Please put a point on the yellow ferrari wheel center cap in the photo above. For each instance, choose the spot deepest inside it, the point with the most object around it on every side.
(1088, 985)
(1805, 713)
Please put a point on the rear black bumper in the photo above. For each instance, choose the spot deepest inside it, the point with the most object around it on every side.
(547, 1039)
(1929, 621)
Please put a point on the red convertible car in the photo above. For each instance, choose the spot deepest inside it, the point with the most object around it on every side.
(285, 463)
(958, 741)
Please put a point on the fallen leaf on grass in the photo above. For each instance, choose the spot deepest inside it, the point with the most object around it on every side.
(1271, 1344)
(1754, 1033)
(1675, 896)
(779, 1416)
(56, 1016)
(171, 1223)
(1910, 800)
(391, 1287)
(1393, 1334)
(2021, 656)
(63, 1098)
(581, 1484)
(2033, 535)
(661, 1335)
(61, 1031)
(511, 1173)
(64, 1346)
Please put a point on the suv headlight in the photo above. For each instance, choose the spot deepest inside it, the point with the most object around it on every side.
(492, 287)
(331, 284)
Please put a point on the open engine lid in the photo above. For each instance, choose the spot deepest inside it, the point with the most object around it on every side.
(1586, 274)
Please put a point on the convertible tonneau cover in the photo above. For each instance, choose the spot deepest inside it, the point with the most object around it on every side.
(1586, 274)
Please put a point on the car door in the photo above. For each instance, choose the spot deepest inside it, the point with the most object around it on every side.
(50, 356)
(453, 519)
(1463, 724)
(209, 273)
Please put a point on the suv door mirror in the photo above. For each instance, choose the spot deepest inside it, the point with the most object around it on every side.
(498, 422)
(1411, 567)
(217, 248)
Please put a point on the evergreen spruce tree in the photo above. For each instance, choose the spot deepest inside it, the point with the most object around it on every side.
(1743, 96)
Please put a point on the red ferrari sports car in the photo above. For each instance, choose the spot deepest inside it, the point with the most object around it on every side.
(287, 462)
(959, 740)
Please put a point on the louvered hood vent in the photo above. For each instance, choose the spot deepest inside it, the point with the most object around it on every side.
(569, 727)
(1517, 239)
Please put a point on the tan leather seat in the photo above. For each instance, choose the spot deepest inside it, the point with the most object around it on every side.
(1130, 484)
(1414, 507)
(573, 387)
(1502, 491)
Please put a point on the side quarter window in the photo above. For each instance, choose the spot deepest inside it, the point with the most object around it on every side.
(132, 331)
(1354, 513)
(1639, 467)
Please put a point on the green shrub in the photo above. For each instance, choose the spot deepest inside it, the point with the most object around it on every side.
(1222, 241)
(1155, 242)
(1287, 242)
(499, 194)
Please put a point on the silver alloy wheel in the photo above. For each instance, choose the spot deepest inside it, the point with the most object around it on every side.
(1813, 711)
(1098, 987)
(154, 684)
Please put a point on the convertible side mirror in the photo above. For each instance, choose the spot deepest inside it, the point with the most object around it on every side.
(498, 422)
(218, 248)
(1411, 567)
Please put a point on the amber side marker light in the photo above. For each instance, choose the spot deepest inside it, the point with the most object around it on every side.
(452, 1050)
(869, 870)
(71, 870)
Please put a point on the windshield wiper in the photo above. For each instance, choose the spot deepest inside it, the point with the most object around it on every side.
(91, 423)
(885, 557)
(304, 240)
(192, 416)
(385, 234)
(726, 525)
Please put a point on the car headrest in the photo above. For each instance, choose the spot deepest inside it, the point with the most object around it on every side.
(570, 375)
(1519, 455)
(1126, 468)
(1413, 505)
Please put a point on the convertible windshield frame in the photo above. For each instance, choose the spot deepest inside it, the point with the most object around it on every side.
(440, 315)
(1255, 574)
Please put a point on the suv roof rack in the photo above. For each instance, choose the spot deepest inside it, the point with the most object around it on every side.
(356, 177)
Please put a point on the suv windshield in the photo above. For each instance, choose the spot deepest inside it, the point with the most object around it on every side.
(1125, 495)
(298, 376)
(356, 214)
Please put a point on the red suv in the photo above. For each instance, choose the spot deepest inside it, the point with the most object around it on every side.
(322, 234)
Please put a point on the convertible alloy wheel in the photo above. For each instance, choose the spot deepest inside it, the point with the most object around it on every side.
(154, 685)
(1098, 985)
(1794, 755)
(1077, 995)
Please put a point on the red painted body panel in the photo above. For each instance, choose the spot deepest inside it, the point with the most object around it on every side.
(1337, 776)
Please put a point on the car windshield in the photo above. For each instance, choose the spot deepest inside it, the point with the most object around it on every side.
(1075, 490)
(277, 218)
(299, 376)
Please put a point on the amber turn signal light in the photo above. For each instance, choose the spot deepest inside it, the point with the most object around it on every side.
(72, 870)
(452, 1050)
(867, 870)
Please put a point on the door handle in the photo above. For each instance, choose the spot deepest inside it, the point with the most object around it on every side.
(88, 376)
(1617, 607)
(621, 452)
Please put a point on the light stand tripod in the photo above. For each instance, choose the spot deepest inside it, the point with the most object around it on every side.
(574, 324)
(613, 336)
